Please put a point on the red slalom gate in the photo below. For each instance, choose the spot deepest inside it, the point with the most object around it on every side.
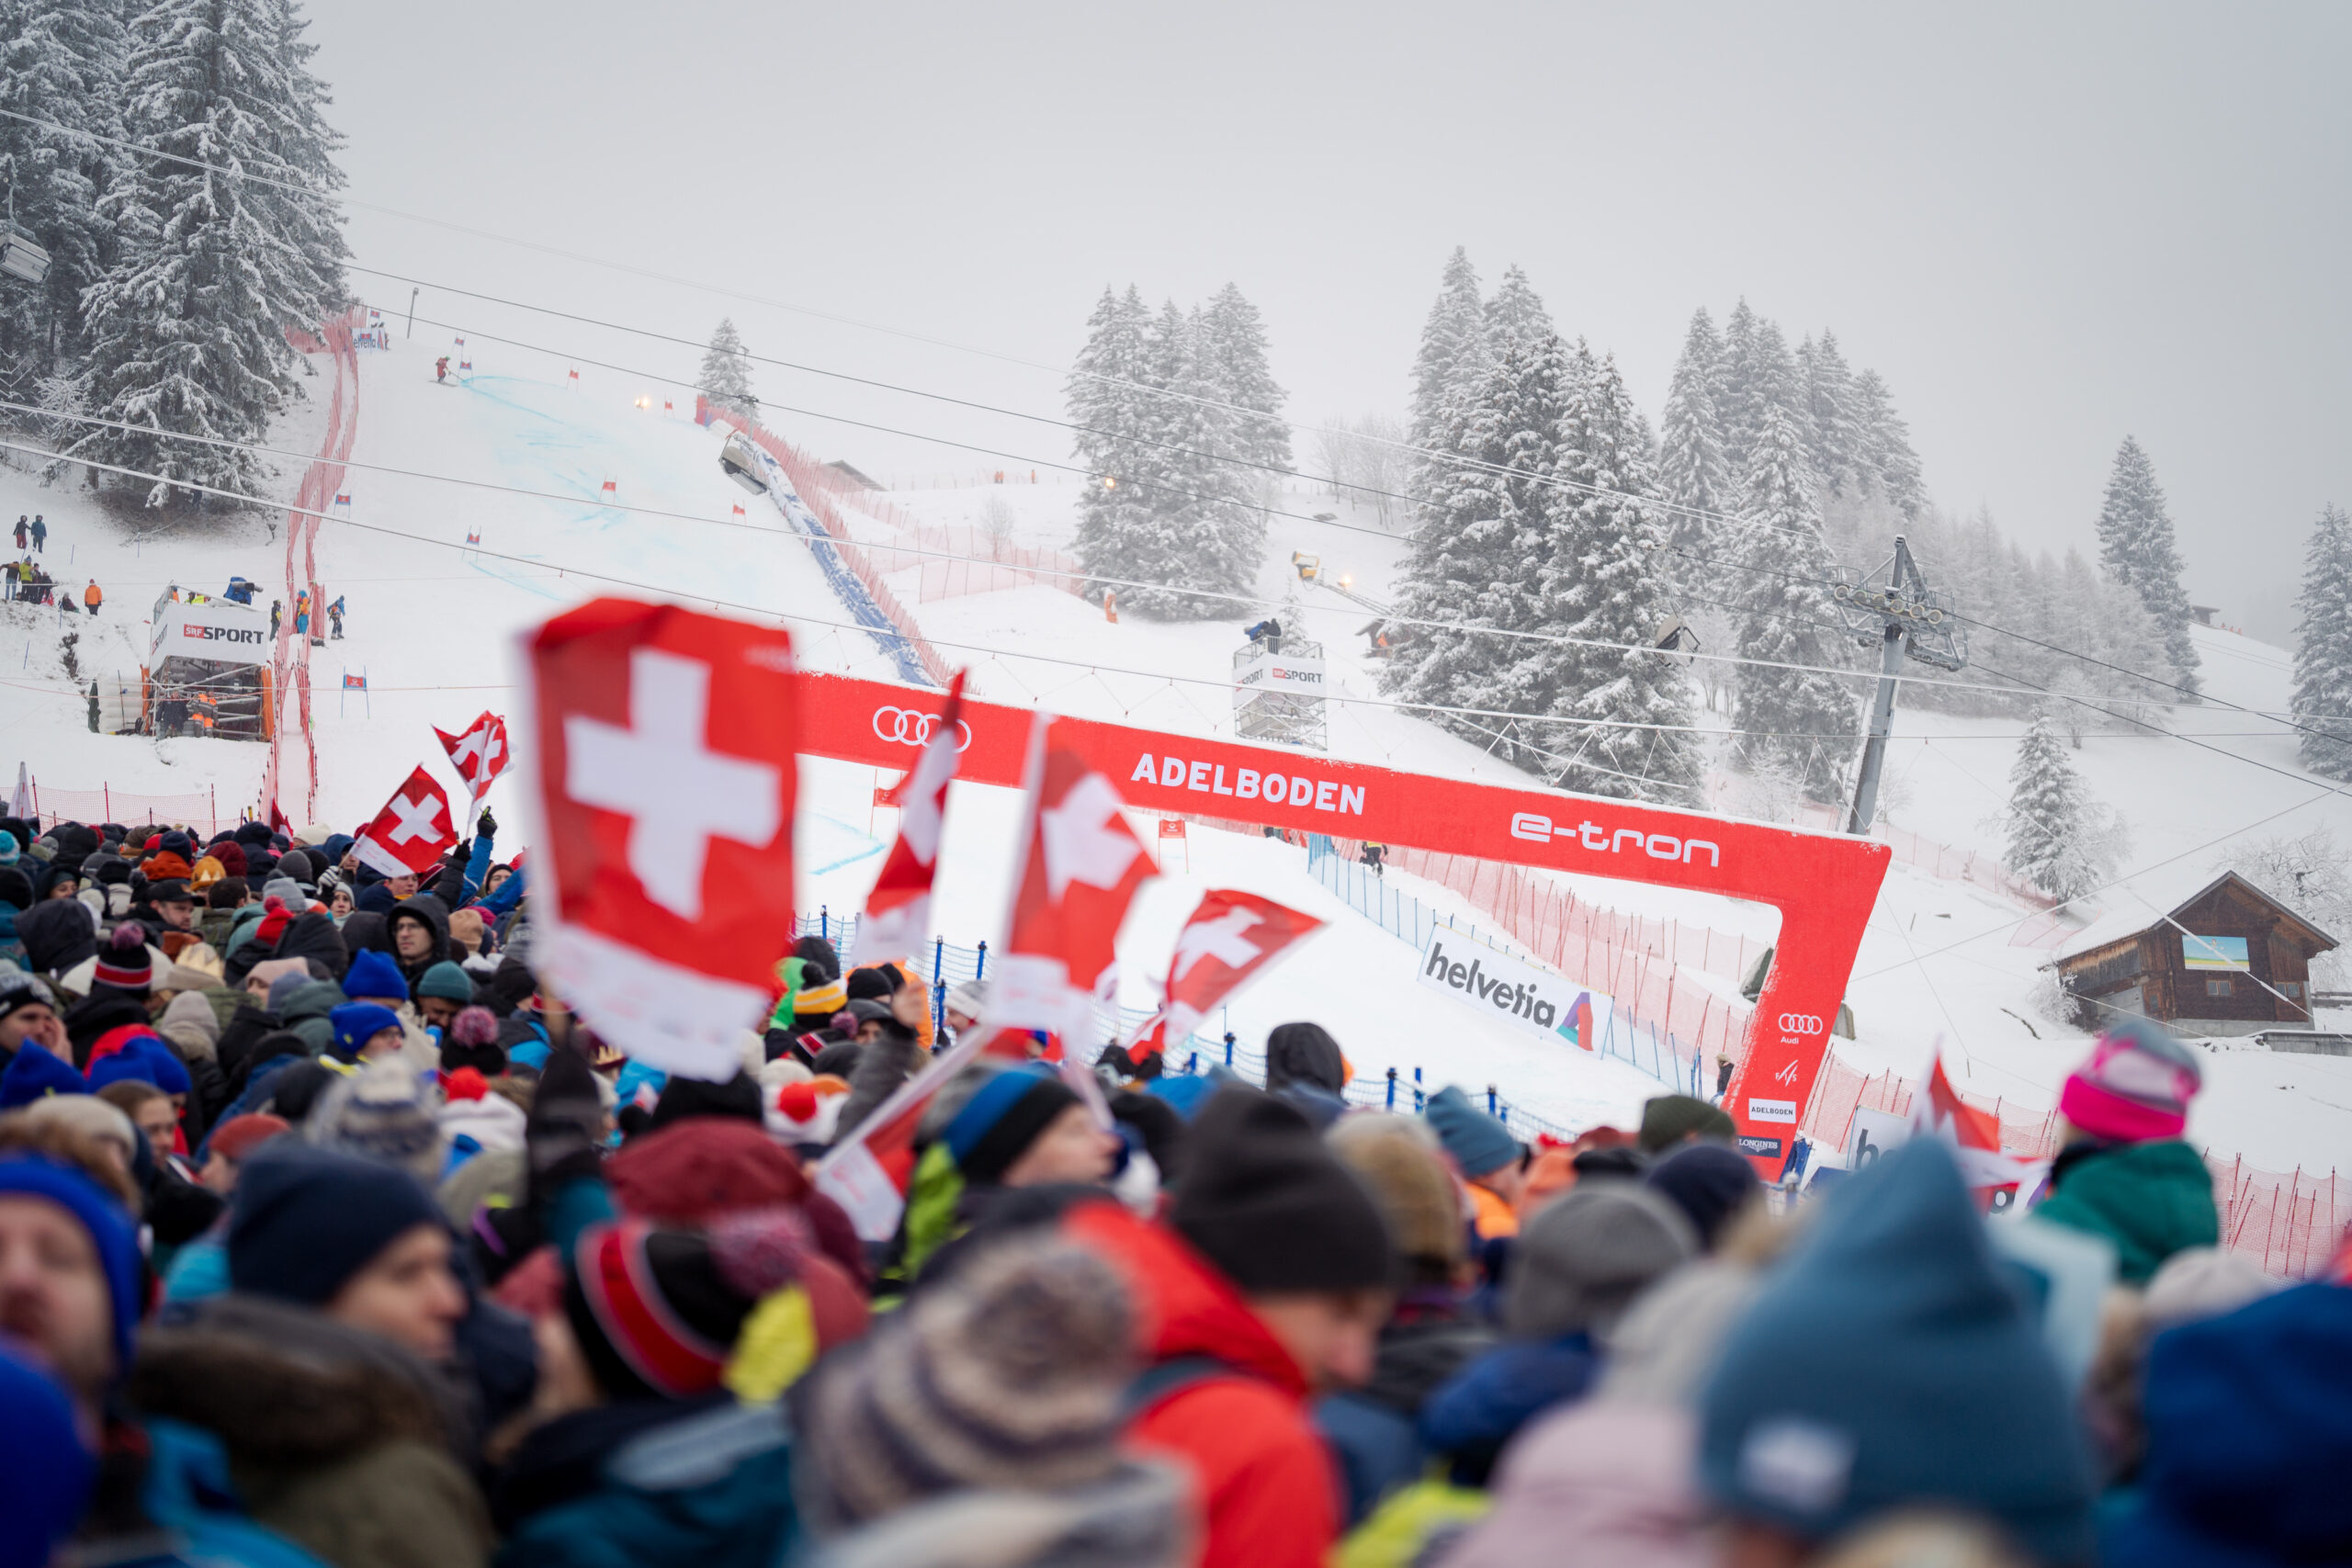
(1824, 884)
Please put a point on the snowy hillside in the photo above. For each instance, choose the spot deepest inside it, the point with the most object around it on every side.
(432, 623)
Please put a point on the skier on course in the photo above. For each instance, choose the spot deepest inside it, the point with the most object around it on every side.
(334, 617)
(441, 368)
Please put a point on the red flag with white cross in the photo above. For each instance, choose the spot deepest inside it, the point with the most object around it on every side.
(664, 745)
(898, 912)
(479, 752)
(1974, 1136)
(413, 830)
(1230, 939)
(1080, 867)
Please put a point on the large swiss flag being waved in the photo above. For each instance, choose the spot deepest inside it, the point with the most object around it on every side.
(1230, 940)
(1079, 870)
(479, 752)
(412, 832)
(665, 778)
(898, 912)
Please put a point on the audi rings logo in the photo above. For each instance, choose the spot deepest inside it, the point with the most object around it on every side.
(908, 727)
(1800, 1023)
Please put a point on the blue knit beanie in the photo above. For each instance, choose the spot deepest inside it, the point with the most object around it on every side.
(305, 1220)
(376, 899)
(1003, 1117)
(356, 1023)
(1889, 1363)
(33, 1176)
(373, 973)
(1477, 1143)
(8, 847)
(36, 1073)
(45, 1473)
(144, 1059)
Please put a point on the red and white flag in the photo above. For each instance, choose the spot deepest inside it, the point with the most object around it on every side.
(1974, 1135)
(413, 830)
(869, 1172)
(664, 760)
(1081, 865)
(479, 752)
(898, 912)
(1230, 940)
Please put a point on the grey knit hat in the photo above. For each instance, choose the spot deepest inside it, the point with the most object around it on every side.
(1582, 1258)
(378, 1112)
(1011, 1375)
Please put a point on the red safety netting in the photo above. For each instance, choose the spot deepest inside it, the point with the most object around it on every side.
(107, 804)
(2027, 1131)
(290, 661)
(820, 489)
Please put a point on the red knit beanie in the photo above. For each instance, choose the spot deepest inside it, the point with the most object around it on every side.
(274, 921)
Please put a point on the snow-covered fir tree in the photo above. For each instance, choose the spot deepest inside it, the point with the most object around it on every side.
(1829, 411)
(2136, 546)
(62, 62)
(2322, 699)
(1455, 326)
(1161, 513)
(1516, 318)
(1887, 466)
(1234, 352)
(1692, 480)
(1759, 374)
(186, 327)
(726, 374)
(1476, 554)
(2056, 839)
(1601, 582)
(1799, 719)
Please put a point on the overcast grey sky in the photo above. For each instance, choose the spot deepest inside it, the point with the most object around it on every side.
(2046, 226)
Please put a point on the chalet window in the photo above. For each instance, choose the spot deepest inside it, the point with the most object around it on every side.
(2217, 987)
(2291, 990)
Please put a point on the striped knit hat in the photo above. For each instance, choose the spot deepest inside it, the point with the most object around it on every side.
(2136, 1087)
(657, 1312)
(124, 962)
(1009, 1374)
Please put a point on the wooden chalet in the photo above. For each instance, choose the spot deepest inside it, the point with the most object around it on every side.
(2228, 959)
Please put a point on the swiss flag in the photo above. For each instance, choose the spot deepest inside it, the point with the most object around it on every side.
(664, 762)
(1974, 1134)
(1081, 865)
(898, 912)
(1230, 940)
(412, 832)
(479, 752)
(868, 1173)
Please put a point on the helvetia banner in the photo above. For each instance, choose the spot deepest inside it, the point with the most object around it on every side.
(1494, 982)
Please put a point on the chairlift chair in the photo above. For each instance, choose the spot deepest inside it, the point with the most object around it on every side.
(19, 255)
(741, 462)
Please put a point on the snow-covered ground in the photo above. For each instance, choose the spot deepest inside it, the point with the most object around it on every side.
(433, 624)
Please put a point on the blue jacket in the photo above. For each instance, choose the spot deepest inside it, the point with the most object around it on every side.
(711, 1488)
(1473, 1416)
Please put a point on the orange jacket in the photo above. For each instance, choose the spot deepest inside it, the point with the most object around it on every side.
(1265, 1488)
(91, 597)
(1490, 1213)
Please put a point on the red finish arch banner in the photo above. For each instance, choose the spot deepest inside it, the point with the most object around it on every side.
(1824, 884)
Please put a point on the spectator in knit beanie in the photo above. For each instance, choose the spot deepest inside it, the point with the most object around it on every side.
(233, 1142)
(364, 1031)
(995, 1129)
(378, 1113)
(1579, 1263)
(1492, 1161)
(1269, 1281)
(2124, 1173)
(1675, 1118)
(374, 977)
(1711, 1184)
(471, 1040)
(45, 1472)
(441, 992)
(652, 1325)
(353, 1238)
(1433, 1331)
(1006, 1383)
(696, 1173)
(77, 1310)
(1888, 1363)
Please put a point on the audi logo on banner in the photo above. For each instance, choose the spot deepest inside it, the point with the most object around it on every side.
(1800, 1023)
(908, 727)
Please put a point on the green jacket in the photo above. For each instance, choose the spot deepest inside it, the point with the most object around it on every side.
(2151, 1200)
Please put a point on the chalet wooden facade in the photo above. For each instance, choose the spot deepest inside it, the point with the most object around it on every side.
(2228, 959)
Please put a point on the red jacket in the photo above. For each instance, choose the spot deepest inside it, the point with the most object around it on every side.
(1265, 1489)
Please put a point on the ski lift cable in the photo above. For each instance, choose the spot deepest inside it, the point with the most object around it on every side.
(639, 585)
(1251, 600)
